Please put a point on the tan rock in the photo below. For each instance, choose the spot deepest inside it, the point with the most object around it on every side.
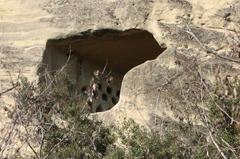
(151, 89)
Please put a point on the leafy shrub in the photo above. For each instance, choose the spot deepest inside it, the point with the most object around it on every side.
(83, 138)
(79, 138)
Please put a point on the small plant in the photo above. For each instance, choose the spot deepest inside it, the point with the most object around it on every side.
(79, 137)
(140, 143)
(56, 121)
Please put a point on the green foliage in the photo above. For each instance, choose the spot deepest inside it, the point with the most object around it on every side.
(87, 140)
(82, 138)
(224, 115)
(140, 143)
(115, 153)
(224, 123)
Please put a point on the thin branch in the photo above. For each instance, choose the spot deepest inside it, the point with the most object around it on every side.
(58, 144)
(42, 142)
(105, 67)
(28, 143)
(54, 147)
(7, 138)
(62, 68)
(216, 145)
(209, 50)
(8, 90)
(218, 106)
(230, 147)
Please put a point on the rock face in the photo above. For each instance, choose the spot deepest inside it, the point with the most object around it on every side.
(108, 53)
(201, 37)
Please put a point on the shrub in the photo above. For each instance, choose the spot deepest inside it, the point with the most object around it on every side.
(79, 138)
(83, 138)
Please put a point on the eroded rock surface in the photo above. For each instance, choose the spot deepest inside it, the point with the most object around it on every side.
(197, 33)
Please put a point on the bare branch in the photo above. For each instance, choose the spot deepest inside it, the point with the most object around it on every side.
(217, 146)
(9, 89)
(219, 107)
(209, 50)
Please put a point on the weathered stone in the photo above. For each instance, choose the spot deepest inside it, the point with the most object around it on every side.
(112, 53)
(191, 30)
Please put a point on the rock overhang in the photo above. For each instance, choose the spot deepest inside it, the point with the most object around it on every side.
(84, 53)
(122, 49)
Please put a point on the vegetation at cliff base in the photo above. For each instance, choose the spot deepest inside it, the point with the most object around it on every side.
(57, 125)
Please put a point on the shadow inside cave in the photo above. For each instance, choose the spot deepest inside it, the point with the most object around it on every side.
(89, 51)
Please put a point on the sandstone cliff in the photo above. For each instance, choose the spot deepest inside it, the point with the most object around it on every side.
(201, 36)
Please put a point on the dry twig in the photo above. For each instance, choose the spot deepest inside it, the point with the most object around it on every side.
(209, 50)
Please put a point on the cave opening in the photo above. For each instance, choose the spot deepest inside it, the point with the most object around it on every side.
(113, 52)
